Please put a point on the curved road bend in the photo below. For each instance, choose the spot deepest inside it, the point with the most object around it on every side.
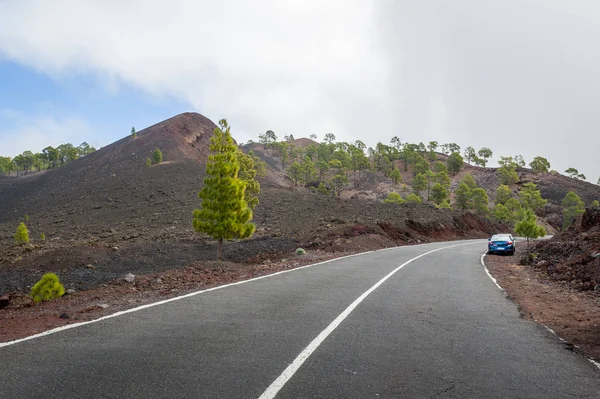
(438, 327)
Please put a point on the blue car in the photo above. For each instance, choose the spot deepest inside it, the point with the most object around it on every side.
(501, 243)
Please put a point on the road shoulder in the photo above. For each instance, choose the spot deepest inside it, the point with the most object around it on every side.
(572, 315)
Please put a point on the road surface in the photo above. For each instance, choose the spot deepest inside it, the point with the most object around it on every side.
(436, 327)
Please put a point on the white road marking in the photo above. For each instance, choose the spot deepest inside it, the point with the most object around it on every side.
(274, 388)
(594, 362)
(150, 305)
(489, 274)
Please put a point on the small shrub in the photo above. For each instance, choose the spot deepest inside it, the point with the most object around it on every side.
(148, 162)
(157, 156)
(47, 288)
(43, 237)
(26, 218)
(21, 235)
(595, 204)
(300, 251)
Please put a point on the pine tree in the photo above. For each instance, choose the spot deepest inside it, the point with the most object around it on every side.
(573, 206)
(480, 201)
(21, 235)
(439, 193)
(223, 213)
(444, 205)
(530, 197)
(454, 162)
(414, 198)
(157, 156)
(394, 198)
(250, 167)
(419, 183)
(463, 196)
(502, 194)
(528, 227)
(133, 133)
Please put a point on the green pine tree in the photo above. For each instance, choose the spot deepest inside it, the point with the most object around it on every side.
(49, 287)
(502, 194)
(444, 205)
(133, 133)
(439, 193)
(463, 196)
(419, 183)
(573, 206)
(223, 213)
(157, 156)
(21, 235)
(413, 198)
(480, 201)
(528, 227)
(394, 198)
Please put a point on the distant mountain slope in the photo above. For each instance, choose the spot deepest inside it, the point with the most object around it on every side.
(113, 183)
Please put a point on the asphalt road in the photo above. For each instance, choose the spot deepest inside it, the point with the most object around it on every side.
(438, 327)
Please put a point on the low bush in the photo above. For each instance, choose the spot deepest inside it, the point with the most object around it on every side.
(47, 288)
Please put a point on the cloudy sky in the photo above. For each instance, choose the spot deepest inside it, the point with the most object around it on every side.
(518, 76)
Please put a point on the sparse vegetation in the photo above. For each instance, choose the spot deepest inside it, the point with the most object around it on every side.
(224, 212)
(42, 237)
(148, 162)
(49, 158)
(48, 288)
(300, 251)
(22, 234)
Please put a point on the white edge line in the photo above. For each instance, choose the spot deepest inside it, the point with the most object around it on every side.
(177, 298)
(489, 274)
(274, 388)
(591, 360)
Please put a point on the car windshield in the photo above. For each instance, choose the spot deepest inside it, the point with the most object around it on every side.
(501, 237)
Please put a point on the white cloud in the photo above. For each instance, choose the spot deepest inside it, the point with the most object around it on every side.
(286, 65)
(35, 133)
(518, 76)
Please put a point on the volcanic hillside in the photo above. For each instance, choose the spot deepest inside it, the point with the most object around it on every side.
(573, 256)
(108, 214)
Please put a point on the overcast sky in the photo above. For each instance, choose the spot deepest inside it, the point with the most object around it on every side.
(518, 76)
